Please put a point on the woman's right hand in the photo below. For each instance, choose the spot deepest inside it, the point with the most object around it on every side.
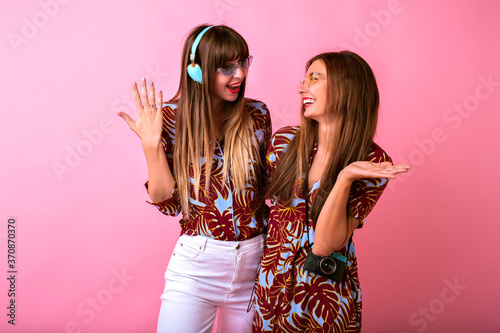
(149, 123)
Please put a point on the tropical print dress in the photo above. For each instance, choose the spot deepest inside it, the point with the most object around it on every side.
(288, 297)
(222, 213)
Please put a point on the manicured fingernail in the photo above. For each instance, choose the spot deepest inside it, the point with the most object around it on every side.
(143, 79)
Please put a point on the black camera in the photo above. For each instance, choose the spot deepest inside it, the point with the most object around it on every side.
(332, 266)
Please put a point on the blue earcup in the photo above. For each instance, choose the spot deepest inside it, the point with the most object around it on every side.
(194, 70)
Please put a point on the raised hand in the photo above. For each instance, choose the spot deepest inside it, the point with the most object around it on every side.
(364, 169)
(149, 123)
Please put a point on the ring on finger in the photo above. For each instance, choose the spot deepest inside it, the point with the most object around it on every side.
(152, 105)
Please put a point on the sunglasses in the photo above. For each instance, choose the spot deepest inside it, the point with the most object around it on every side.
(229, 70)
(311, 79)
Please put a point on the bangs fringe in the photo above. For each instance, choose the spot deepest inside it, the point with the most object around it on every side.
(228, 47)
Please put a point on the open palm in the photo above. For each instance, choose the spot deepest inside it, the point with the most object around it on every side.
(149, 123)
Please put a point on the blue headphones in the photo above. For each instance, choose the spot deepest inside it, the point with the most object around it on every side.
(194, 70)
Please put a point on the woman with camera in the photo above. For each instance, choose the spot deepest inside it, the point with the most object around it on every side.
(326, 176)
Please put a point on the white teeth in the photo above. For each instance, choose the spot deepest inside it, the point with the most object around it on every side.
(234, 87)
(308, 101)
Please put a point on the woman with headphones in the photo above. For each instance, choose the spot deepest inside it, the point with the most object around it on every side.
(204, 152)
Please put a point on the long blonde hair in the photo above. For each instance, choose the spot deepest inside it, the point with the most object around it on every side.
(352, 107)
(195, 127)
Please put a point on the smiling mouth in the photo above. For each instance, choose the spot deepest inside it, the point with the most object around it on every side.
(234, 88)
(308, 101)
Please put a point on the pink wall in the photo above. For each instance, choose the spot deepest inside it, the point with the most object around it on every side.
(90, 253)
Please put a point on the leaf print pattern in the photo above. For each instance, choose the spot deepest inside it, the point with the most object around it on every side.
(290, 298)
(222, 212)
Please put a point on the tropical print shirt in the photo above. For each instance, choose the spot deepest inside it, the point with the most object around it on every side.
(223, 212)
(290, 298)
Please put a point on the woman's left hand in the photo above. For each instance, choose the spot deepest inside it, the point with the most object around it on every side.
(365, 169)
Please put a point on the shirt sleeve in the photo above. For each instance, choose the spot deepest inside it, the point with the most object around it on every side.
(264, 144)
(277, 147)
(366, 192)
(172, 205)
(268, 130)
(261, 118)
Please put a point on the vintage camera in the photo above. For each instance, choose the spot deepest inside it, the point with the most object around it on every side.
(332, 266)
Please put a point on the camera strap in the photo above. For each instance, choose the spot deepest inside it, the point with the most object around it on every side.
(335, 254)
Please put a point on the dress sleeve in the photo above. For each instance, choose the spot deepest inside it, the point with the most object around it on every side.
(172, 205)
(366, 192)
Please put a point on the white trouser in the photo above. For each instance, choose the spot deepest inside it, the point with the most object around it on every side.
(204, 275)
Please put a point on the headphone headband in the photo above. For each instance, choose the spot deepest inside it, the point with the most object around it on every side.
(196, 42)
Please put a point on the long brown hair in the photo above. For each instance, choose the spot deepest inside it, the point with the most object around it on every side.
(352, 108)
(195, 127)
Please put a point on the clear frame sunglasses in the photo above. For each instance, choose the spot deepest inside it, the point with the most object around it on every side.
(229, 70)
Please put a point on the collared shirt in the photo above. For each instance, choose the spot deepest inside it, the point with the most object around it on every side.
(288, 296)
(223, 212)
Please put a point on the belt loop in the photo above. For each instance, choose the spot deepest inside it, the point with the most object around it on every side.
(203, 245)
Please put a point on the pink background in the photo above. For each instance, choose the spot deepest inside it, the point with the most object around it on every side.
(91, 253)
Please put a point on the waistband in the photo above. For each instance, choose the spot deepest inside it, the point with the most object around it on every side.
(204, 242)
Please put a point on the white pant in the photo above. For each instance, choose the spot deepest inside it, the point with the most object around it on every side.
(204, 275)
